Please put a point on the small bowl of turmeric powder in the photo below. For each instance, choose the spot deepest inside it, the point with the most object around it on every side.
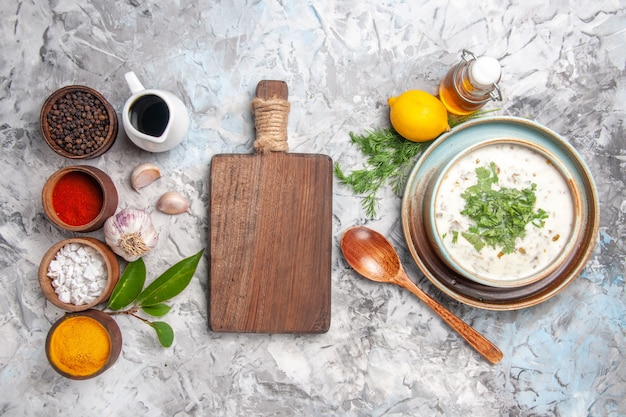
(79, 273)
(79, 198)
(83, 345)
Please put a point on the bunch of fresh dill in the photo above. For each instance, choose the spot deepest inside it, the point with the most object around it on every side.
(390, 158)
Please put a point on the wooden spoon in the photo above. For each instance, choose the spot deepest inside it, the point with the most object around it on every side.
(372, 256)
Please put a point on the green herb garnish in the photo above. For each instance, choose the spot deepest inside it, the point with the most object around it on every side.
(388, 155)
(500, 215)
(129, 290)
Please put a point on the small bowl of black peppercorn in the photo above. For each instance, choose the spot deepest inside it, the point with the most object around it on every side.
(77, 122)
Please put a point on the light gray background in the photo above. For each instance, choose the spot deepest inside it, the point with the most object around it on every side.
(386, 354)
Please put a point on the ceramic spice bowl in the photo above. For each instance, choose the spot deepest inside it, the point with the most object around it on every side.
(77, 122)
(77, 274)
(83, 345)
(79, 198)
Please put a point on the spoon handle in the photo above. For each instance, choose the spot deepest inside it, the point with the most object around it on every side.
(471, 335)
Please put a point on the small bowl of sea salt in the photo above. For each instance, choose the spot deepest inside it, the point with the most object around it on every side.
(79, 273)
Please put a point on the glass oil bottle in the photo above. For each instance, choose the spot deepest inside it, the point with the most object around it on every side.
(470, 84)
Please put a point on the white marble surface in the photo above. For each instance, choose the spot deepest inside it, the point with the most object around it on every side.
(385, 353)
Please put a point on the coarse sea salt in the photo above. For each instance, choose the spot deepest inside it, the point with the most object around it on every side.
(78, 274)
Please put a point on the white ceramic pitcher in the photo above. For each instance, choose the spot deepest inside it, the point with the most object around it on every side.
(154, 120)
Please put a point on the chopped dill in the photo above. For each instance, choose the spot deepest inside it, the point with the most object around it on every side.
(500, 215)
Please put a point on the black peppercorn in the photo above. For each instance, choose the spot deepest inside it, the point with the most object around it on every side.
(78, 123)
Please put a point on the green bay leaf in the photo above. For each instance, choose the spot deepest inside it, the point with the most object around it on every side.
(164, 332)
(171, 283)
(129, 285)
(157, 310)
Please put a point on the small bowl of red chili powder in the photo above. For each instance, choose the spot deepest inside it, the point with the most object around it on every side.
(77, 122)
(79, 198)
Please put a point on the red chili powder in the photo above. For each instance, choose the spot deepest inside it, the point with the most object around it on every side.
(77, 198)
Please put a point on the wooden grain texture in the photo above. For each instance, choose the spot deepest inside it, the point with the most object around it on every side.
(270, 241)
(372, 256)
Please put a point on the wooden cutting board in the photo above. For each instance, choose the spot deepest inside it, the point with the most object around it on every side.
(270, 237)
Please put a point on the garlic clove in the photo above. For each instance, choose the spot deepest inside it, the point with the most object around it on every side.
(173, 202)
(143, 175)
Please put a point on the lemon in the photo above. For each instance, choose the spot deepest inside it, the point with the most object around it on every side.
(418, 116)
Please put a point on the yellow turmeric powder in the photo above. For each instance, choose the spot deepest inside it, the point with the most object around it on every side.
(79, 346)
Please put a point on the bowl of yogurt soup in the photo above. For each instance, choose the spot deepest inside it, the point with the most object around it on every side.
(472, 222)
(457, 251)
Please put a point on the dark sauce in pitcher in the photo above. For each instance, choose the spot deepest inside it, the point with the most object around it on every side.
(150, 115)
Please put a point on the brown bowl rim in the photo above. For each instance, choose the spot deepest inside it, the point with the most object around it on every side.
(110, 259)
(113, 122)
(109, 194)
(112, 329)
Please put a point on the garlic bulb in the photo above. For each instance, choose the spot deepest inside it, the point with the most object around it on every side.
(144, 174)
(173, 202)
(130, 233)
